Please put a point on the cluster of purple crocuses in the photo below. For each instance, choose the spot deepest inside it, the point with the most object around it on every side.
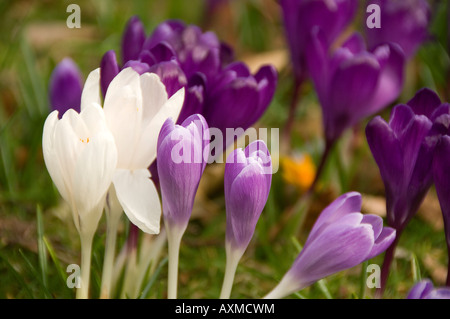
(351, 82)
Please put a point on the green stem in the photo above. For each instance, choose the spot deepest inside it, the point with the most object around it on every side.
(174, 235)
(233, 257)
(110, 248)
(86, 251)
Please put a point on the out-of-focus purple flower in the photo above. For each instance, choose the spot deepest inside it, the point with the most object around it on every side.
(237, 99)
(301, 16)
(341, 238)
(225, 93)
(108, 70)
(132, 40)
(353, 83)
(181, 163)
(402, 22)
(248, 176)
(441, 168)
(425, 290)
(65, 87)
(218, 88)
(403, 150)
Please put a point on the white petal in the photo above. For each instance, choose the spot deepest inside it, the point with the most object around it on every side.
(50, 157)
(91, 90)
(94, 119)
(149, 139)
(123, 112)
(154, 95)
(139, 199)
(68, 145)
(94, 171)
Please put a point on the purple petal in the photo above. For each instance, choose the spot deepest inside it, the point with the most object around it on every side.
(387, 152)
(195, 97)
(404, 22)
(163, 52)
(202, 132)
(340, 247)
(65, 87)
(355, 43)
(343, 205)
(425, 102)
(401, 116)
(167, 31)
(351, 87)
(390, 82)
(420, 289)
(138, 66)
(132, 40)
(108, 70)
(171, 75)
(267, 83)
(382, 242)
(441, 173)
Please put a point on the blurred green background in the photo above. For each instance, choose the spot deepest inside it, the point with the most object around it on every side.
(37, 236)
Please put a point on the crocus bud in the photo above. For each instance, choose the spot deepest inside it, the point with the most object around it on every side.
(65, 87)
(181, 162)
(248, 175)
(132, 40)
(402, 22)
(108, 70)
(301, 16)
(353, 83)
(341, 238)
(425, 290)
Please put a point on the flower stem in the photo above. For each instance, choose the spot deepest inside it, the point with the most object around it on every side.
(447, 283)
(286, 138)
(233, 257)
(86, 250)
(329, 144)
(388, 258)
(174, 235)
(108, 264)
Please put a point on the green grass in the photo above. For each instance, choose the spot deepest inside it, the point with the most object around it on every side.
(37, 236)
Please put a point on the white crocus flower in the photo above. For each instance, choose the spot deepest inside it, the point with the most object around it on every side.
(136, 106)
(81, 157)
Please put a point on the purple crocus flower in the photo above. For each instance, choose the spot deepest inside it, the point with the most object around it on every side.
(181, 163)
(248, 175)
(425, 290)
(403, 22)
(441, 169)
(65, 87)
(403, 150)
(353, 83)
(341, 238)
(301, 16)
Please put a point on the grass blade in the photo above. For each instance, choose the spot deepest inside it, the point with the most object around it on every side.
(153, 279)
(41, 246)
